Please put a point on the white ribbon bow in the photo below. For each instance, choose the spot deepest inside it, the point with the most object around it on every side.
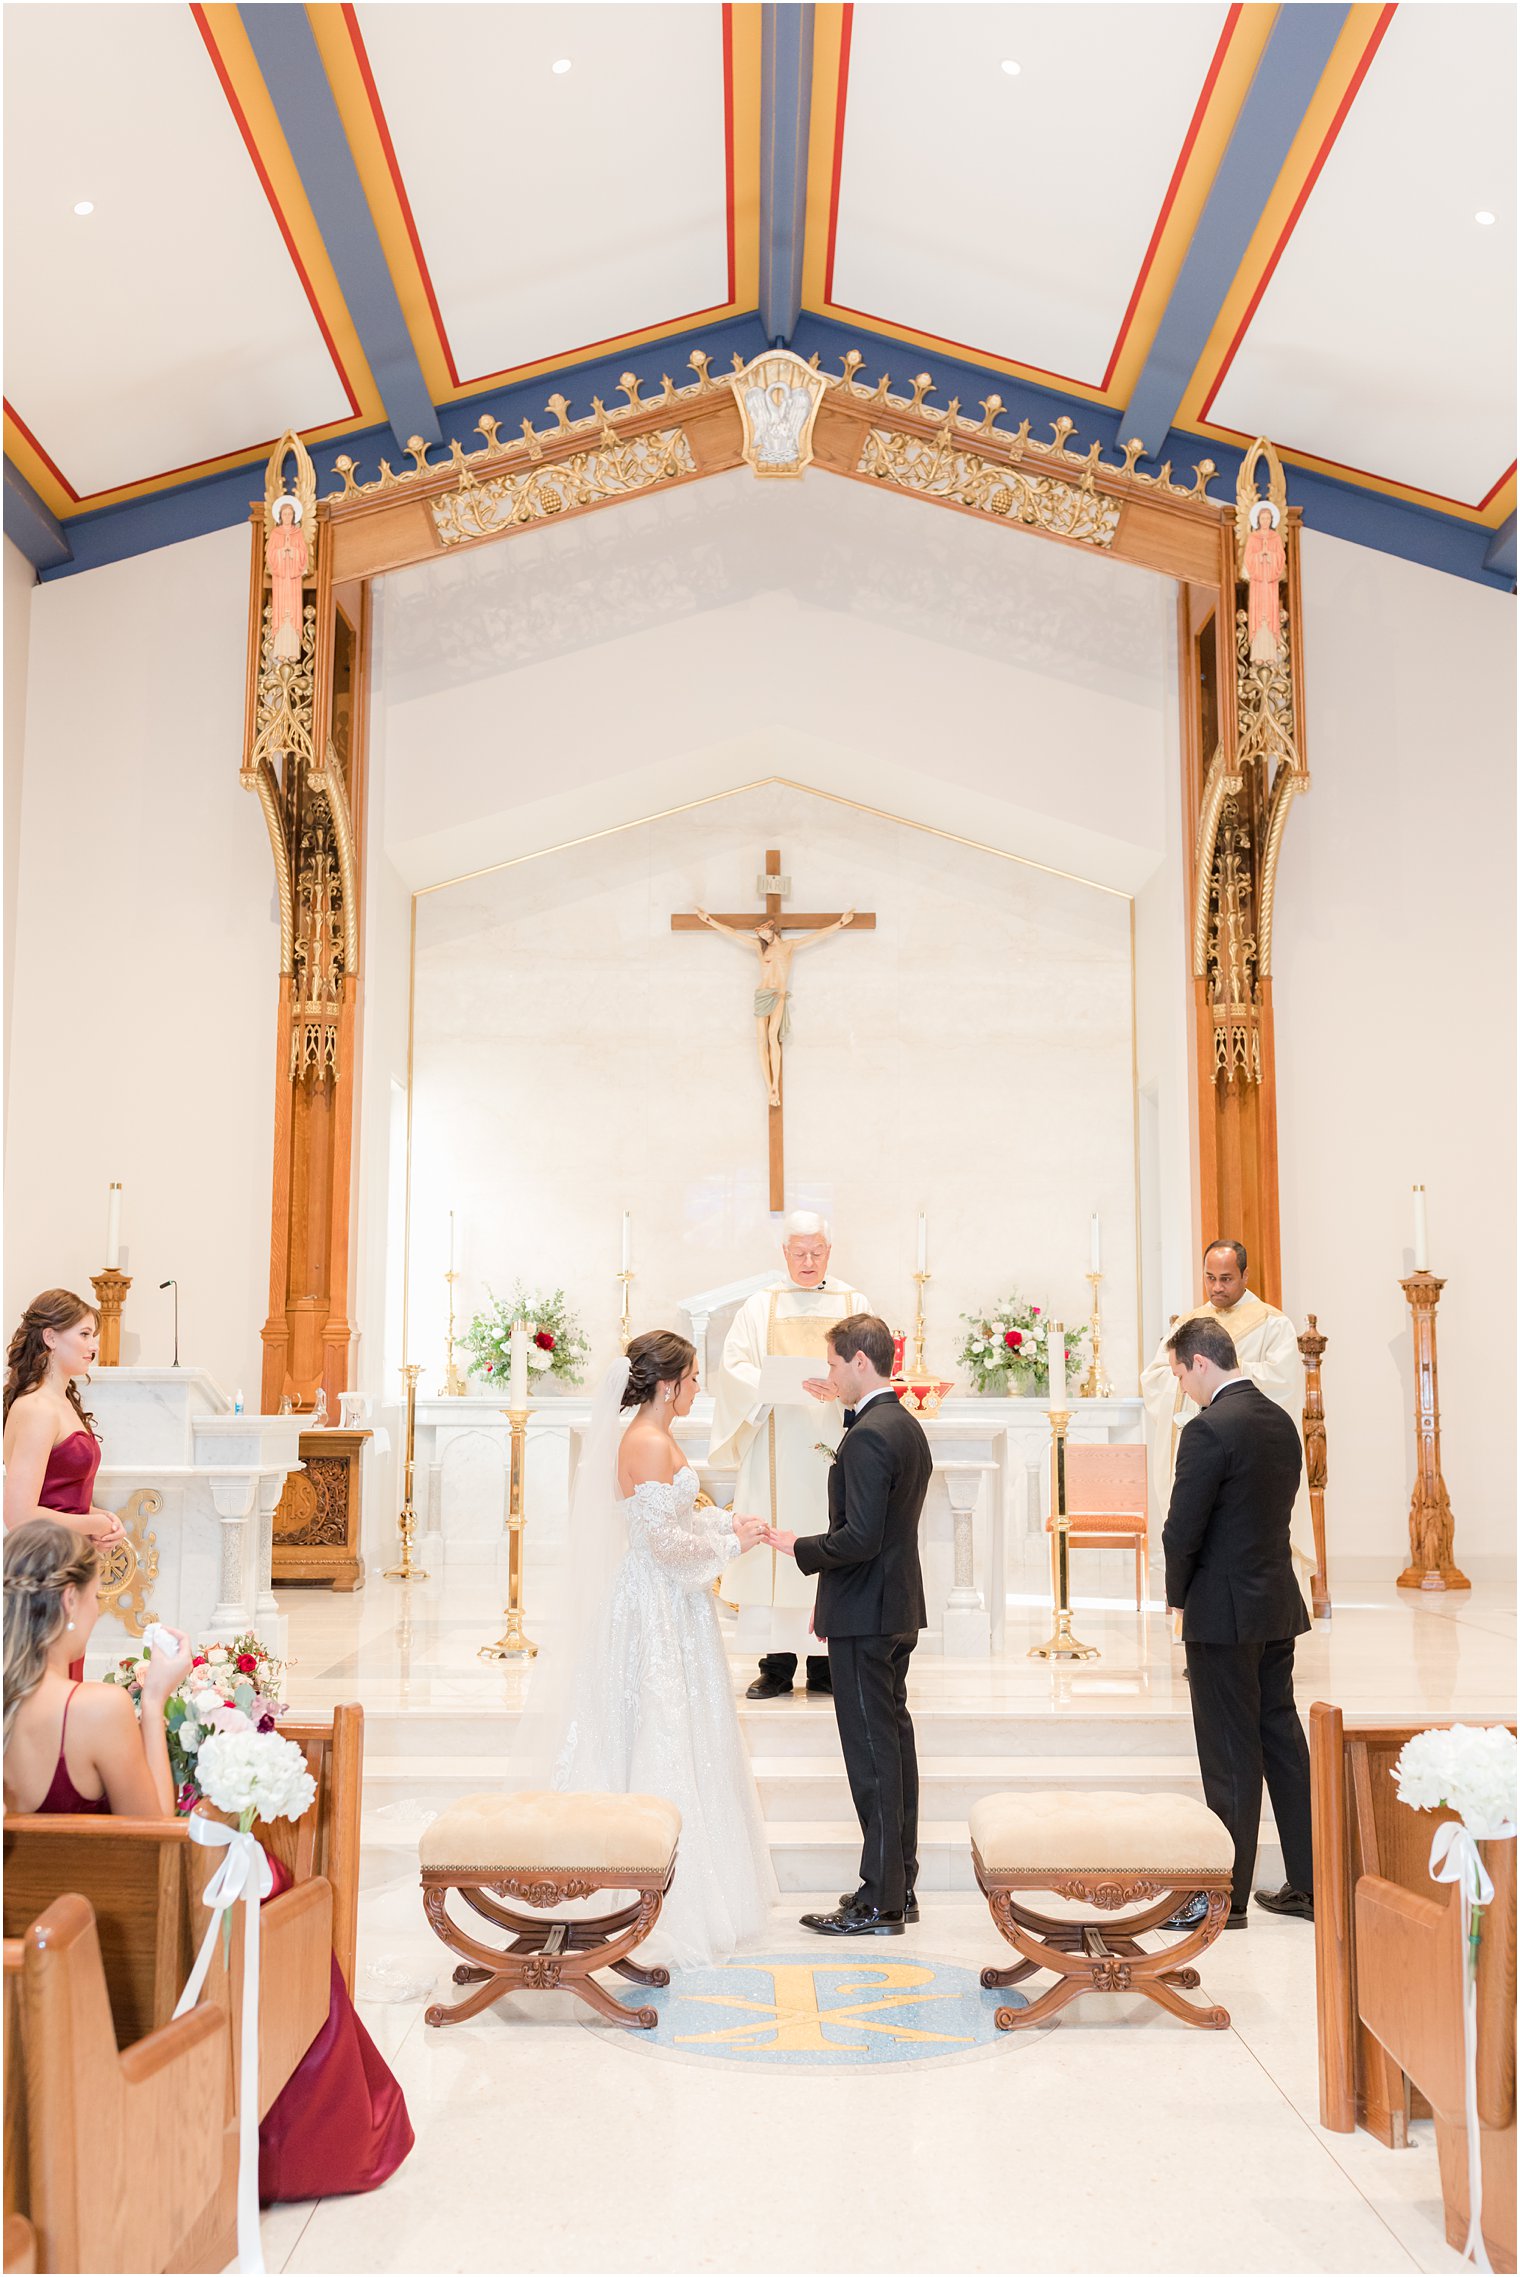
(245, 1873)
(1454, 1857)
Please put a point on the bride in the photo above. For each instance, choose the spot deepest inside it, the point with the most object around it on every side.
(638, 1698)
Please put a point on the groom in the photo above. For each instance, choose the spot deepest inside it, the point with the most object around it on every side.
(870, 1609)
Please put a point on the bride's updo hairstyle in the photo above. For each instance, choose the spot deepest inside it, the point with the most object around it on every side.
(661, 1357)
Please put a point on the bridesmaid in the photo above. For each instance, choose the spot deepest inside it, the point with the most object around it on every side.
(51, 1451)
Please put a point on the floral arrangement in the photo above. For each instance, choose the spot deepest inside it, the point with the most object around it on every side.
(232, 1690)
(557, 1345)
(1004, 1350)
(1466, 1768)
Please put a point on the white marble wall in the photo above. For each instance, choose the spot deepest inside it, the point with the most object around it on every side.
(972, 1056)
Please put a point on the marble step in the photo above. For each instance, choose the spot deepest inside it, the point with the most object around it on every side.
(800, 1789)
(825, 1855)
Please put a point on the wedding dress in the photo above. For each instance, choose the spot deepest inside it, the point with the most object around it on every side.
(642, 1702)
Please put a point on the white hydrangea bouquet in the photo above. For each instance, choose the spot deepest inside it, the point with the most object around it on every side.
(254, 1774)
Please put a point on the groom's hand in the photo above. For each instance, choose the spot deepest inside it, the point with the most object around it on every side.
(778, 1540)
(820, 1387)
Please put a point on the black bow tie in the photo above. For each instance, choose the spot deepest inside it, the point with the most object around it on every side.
(849, 1417)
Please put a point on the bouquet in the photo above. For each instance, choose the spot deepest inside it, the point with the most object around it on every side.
(1466, 1768)
(255, 1774)
(1005, 1353)
(557, 1345)
(230, 1690)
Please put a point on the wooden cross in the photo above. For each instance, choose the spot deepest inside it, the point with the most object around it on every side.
(774, 977)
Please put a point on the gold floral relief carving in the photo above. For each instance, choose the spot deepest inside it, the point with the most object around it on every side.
(941, 467)
(613, 469)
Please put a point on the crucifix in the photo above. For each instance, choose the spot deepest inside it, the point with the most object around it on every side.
(766, 934)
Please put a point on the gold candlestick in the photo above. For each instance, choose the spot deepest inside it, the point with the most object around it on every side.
(626, 1277)
(514, 1643)
(918, 1324)
(1095, 1384)
(1061, 1644)
(110, 1295)
(453, 1382)
(1432, 1529)
(407, 1520)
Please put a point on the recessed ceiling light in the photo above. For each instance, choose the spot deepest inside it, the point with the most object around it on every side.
(85, 206)
(562, 65)
(1486, 219)
(1012, 69)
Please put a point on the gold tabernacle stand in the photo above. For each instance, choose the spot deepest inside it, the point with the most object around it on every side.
(1095, 1384)
(1061, 1645)
(514, 1643)
(110, 1295)
(407, 1521)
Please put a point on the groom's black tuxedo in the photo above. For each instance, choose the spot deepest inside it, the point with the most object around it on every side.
(870, 1609)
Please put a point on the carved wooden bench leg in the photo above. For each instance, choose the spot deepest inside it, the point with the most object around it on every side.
(542, 1954)
(1094, 1955)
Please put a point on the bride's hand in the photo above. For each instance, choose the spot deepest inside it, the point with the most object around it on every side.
(751, 1532)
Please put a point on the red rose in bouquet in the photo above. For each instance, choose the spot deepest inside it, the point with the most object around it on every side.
(543, 1339)
(247, 1664)
(1013, 1338)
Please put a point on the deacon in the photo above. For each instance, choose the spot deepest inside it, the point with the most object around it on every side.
(1268, 1356)
(782, 1474)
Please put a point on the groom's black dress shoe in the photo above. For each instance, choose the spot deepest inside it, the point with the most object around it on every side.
(851, 1903)
(855, 1921)
(1196, 1910)
(768, 1688)
(818, 1677)
(1289, 1901)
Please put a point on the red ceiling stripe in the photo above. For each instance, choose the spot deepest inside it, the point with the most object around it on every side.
(846, 31)
(382, 128)
(1339, 120)
(728, 133)
(236, 108)
(54, 469)
(1201, 106)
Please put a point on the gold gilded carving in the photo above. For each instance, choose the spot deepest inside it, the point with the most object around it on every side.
(1232, 969)
(328, 782)
(778, 397)
(319, 952)
(615, 467)
(943, 468)
(129, 1568)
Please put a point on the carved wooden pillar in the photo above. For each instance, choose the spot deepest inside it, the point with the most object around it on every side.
(1242, 720)
(303, 756)
(1311, 1347)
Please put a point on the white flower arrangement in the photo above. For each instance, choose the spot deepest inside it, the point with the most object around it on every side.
(254, 1774)
(1467, 1768)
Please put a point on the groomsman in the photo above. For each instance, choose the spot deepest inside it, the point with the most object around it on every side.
(1229, 1572)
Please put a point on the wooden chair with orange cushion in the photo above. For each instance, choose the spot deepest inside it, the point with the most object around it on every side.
(1107, 1503)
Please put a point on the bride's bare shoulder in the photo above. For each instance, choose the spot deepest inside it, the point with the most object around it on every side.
(649, 1457)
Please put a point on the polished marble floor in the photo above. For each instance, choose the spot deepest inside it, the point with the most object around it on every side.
(1115, 2140)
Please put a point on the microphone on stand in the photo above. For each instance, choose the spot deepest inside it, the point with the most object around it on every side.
(174, 1285)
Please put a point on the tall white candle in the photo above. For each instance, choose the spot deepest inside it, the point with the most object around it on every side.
(627, 1241)
(517, 1394)
(451, 1241)
(1421, 1233)
(923, 1241)
(1097, 1245)
(113, 1227)
(1057, 1349)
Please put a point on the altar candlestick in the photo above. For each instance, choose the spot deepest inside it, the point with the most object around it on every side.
(451, 1241)
(627, 1265)
(113, 1227)
(1097, 1245)
(923, 1241)
(1056, 1349)
(1421, 1233)
(518, 1382)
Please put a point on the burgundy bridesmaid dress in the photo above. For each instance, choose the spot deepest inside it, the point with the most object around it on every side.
(339, 2124)
(67, 1484)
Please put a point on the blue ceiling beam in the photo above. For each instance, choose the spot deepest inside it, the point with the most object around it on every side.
(288, 57)
(786, 101)
(1281, 90)
(1500, 556)
(31, 525)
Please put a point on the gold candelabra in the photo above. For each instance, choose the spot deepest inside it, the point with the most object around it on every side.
(1095, 1384)
(110, 1295)
(918, 1323)
(1061, 1644)
(626, 1277)
(407, 1520)
(453, 1382)
(514, 1643)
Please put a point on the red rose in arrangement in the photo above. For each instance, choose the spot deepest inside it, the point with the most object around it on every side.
(247, 1664)
(1013, 1338)
(198, 1660)
(543, 1339)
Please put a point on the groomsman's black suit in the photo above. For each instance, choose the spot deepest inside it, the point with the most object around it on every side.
(1229, 1568)
(870, 1609)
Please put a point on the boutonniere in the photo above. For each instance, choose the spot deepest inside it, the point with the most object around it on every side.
(822, 1447)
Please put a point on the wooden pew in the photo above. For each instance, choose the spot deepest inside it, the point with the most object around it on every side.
(113, 2159)
(1411, 1971)
(1361, 1827)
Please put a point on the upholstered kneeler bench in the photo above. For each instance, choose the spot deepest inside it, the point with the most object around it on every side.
(546, 1850)
(1102, 1851)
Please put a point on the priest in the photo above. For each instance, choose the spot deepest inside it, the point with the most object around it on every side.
(1267, 1346)
(782, 1475)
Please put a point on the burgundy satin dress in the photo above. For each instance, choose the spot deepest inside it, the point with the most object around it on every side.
(62, 1794)
(339, 2124)
(67, 1484)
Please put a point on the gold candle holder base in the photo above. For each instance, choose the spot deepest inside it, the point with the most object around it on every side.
(1095, 1384)
(918, 1324)
(626, 1277)
(1432, 1528)
(454, 1385)
(406, 1522)
(514, 1643)
(1061, 1644)
(110, 1295)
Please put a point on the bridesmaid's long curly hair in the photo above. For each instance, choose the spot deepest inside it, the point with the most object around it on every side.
(26, 1361)
(42, 1559)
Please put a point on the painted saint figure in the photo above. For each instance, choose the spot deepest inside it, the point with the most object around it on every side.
(286, 556)
(1264, 563)
(773, 1018)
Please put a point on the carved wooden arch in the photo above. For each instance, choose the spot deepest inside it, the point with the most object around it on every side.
(1242, 735)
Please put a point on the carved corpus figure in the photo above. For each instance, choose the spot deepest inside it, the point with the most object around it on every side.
(773, 1017)
(1265, 562)
(286, 555)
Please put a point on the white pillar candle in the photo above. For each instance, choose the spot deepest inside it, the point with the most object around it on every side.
(1057, 1351)
(1421, 1233)
(1097, 1245)
(517, 1393)
(113, 1227)
(451, 1241)
(627, 1241)
(923, 1241)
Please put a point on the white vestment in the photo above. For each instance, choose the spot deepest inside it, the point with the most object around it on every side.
(1266, 1344)
(782, 1477)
